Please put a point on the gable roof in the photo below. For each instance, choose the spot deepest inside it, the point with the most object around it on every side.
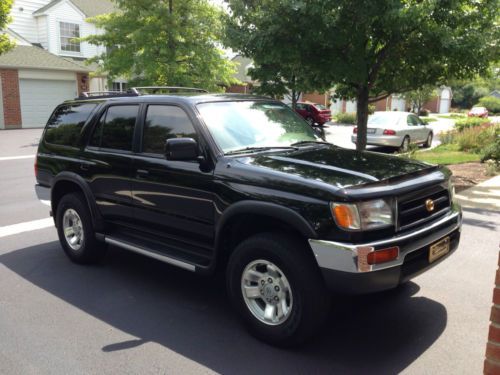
(37, 58)
(90, 8)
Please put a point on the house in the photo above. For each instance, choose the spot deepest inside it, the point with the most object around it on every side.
(439, 104)
(47, 66)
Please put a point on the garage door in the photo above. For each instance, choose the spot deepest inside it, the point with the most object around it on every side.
(39, 98)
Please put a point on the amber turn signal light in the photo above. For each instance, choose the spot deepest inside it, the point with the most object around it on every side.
(382, 256)
(346, 215)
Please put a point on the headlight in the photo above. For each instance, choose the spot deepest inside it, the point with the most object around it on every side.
(363, 215)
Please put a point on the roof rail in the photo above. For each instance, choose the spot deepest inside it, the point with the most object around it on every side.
(153, 89)
(104, 94)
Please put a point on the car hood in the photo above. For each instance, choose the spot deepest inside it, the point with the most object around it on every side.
(335, 166)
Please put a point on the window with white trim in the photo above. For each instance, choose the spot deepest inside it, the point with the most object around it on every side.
(68, 32)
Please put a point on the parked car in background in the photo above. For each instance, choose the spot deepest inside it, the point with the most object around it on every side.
(478, 112)
(396, 129)
(314, 113)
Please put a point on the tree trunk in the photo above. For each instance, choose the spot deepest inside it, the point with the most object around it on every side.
(362, 117)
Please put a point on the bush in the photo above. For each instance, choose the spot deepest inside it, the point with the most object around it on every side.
(477, 139)
(371, 109)
(447, 138)
(470, 122)
(424, 112)
(491, 103)
(346, 118)
(491, 152)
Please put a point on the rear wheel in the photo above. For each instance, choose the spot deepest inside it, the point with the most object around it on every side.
(75, 230)
(277, 289)
(428, 142)
(405, 145)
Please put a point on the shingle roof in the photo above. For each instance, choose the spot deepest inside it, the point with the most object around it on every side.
(90, 8)
(37, 58)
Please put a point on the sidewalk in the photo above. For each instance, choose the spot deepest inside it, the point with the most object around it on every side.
(485, 195)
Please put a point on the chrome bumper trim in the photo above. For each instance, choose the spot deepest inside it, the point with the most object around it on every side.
(344, 256)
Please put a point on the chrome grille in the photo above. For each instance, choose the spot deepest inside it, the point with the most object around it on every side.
(412, 209)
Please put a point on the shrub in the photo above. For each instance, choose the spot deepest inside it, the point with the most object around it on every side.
(448, 137)
(470, 122)
(424, 112)
(346, 118)
(371, 109)
(476, 139)
(491, 103)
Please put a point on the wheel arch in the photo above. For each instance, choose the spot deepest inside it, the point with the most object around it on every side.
(244, 219)
(68, 182)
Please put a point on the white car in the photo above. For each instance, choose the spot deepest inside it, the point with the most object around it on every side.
(396, 129)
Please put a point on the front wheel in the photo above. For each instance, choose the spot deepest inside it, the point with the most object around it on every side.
(277, 289)
(428, 142)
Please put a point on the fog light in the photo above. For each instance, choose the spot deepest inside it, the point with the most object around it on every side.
(382, 256)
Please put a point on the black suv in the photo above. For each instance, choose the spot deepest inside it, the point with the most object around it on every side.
(242, 184)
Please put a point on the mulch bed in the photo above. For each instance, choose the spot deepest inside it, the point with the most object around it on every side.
(467, 175)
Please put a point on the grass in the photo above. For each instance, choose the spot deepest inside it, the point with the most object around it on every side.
(428, 119)
(446, 154)
(453, 116)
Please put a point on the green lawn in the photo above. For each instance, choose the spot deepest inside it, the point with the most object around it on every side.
(446, 154)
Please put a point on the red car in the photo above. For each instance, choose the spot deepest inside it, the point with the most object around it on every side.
(478, 112)
(314, 113)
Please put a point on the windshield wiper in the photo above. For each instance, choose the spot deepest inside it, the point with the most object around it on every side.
(306, 142)
(262, 148)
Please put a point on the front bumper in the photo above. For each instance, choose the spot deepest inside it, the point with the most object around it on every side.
(344, 266)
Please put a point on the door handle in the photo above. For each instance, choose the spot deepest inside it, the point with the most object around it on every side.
(142, 173)
(84, 167)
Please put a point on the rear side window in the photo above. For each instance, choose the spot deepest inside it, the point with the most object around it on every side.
(163, 122)
(115, 129)
(66, 123)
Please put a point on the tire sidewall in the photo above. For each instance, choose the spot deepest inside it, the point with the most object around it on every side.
(86, 251)
(271, 333)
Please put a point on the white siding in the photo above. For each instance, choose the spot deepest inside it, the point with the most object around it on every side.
(350, 106)
(23, 21)
(66, 12)
(42, 26)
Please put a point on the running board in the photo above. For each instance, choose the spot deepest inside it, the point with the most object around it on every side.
(149, 253)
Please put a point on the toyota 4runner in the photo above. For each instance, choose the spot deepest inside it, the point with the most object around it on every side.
(243, 185)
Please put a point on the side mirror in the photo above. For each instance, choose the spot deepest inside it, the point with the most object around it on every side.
(181, 149)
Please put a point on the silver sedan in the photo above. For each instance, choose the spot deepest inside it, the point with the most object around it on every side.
(396, 129)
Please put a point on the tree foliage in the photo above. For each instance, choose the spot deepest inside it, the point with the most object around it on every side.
(164, 42)
(467, 93)
(5, 43)
(369, 49)
(417, 98)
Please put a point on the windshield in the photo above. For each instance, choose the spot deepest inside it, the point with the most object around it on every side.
(242, 124)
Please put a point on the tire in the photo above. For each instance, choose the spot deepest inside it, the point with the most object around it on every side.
(291, 268)
(428, 142)
(80, 245)
(405, 145)
(310, 121)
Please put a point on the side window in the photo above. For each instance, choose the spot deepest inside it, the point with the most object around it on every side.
(115, 129)
(300, 107)
(66, 123)
(163, 122)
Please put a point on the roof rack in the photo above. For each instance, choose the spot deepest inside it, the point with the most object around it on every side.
(104, 94)
(173, 89)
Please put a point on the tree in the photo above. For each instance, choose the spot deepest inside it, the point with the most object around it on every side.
(371, 49)
(417, 98)
(5, 43)
(164, 42)
(277, 61)
(467, 93)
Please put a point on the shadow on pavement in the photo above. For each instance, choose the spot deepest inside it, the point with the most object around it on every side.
(382, 333)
